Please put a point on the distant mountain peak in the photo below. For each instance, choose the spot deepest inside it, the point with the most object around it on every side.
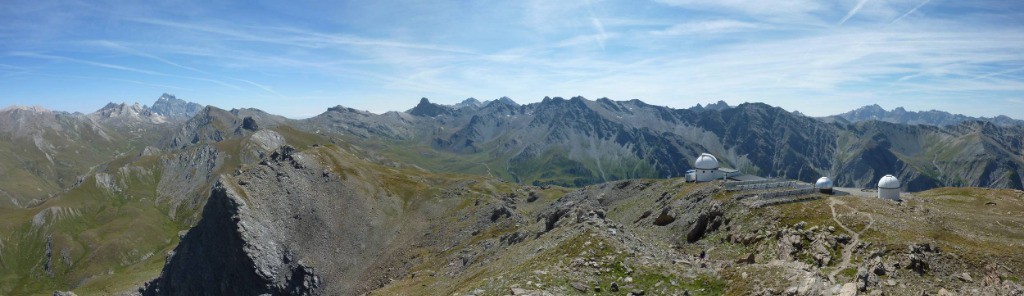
(931, 117)
(167, 96)
(506, 101)
(126, 113)
(719, 106)
(37, 109)
(428, 109)
(469, 103)
(174, 108)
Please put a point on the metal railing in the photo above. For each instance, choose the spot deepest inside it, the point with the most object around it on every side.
(732, 184)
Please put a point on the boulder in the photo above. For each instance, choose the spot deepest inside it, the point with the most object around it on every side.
(708, 220)
(966, 277)
(849, 289)
(790, 243)
(866, 279)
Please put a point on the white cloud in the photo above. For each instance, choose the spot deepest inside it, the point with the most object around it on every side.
(709, 27)
(601, 35)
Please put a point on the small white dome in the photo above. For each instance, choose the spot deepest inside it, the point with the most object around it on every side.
(889, 182)
(706, 162)
(823, 183)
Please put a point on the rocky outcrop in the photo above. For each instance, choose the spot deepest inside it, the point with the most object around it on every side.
(707, 221)
(229, 254)
(249, 124)
(260, 144)
(920, 257)
(288, 226)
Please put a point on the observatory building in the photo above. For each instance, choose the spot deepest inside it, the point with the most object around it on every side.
(706, 168)
(824, 185)
(889, 188)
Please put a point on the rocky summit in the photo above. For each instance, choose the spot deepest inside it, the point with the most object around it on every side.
(558, 197)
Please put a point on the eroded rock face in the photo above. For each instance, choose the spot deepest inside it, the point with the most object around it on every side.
(285, 227)
(227, 254)
(261, 144)
(708, 220)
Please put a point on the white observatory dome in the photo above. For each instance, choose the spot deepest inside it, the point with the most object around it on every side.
(706, 162)
(889, 182)
(889, 188)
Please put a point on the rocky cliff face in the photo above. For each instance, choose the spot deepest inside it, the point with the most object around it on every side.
(228, 253)
(297, 223)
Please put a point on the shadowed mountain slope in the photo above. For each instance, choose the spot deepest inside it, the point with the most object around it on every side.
(578, 141)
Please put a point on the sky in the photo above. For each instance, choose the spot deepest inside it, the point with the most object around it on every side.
(297, 58)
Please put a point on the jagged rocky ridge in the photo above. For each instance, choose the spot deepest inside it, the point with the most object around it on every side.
(930, 117)
(296, 223)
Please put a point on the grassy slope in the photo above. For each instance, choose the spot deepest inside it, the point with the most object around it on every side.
(115, 240)
(552, 167)
(957, 220)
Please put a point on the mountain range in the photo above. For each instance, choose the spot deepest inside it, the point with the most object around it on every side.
(489, 198)
(568, 142)
(930, 117)
(574, 142)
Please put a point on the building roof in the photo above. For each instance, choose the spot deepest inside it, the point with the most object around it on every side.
(889, 182)
(706, 162)
(727, 170)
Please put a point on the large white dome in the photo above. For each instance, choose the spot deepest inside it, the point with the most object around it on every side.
(706, 162)
(889, 182)
(823, 183)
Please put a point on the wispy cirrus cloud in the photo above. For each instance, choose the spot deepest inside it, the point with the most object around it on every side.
(816, 56)
(289, 36)
(909, 12)
(710, 27)
(852, 12)
(115, 67)
(781, 11)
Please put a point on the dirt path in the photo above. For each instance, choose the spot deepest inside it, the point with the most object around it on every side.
(488, 169)
(855, 237)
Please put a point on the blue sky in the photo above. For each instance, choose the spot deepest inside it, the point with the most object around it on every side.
(298, 58)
